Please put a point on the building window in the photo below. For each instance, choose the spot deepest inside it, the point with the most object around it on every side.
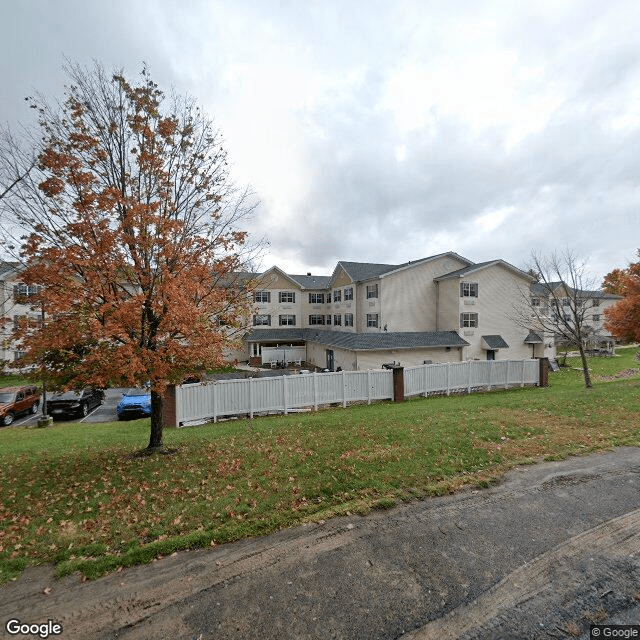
(468, 319)
(315, 320)
(337, 320)
(328, 319)
(372, 291)
(262, 296)
(316, 298)
(17, 355)
(535, 302)
(348, 293)
(287, 296)
(348, 319)
(565, 302)
(372, 319)
(25, 290)
(287, 320)
(596, 317)
(468, 289)
(261, 320)
(337, 295)
(595, 302)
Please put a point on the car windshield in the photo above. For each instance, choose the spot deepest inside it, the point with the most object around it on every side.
(6, 398)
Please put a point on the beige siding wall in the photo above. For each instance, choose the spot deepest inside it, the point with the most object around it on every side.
(275, 283)
(409, 296)
(317, 355)
(498, 291)
(406, 357)
(366, 306)
(315, 309)
(449, 306)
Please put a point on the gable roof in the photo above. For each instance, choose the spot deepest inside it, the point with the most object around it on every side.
(549, 288)
(8, 267)
(473, 268)
(280, 272)
(362, 271)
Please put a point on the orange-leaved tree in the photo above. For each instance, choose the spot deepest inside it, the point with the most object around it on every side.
(133, 236)
(623, 318)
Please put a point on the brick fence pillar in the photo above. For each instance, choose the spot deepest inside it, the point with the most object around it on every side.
(169, 406)
(398, 384)
(544, 372)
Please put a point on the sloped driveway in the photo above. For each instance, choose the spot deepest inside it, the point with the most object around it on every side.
(551, 549)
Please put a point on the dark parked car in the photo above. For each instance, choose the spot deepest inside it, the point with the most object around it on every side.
(134, 404)
(77, 403)
(15, 401)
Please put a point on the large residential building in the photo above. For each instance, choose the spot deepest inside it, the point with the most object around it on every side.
(443, 308)
(15, 307)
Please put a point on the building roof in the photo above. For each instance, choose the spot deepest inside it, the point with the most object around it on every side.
(360, 271)
(549, 288)
(495, 342)
(381, 340)
(472, 268)
(309, 281)
(8, 267)
(533, 338)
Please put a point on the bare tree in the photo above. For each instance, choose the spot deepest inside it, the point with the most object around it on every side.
(15, 165)
(560, 302)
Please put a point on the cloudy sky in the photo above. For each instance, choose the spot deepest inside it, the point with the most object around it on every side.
(385, 131)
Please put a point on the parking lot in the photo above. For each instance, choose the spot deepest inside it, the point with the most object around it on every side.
(106, 412)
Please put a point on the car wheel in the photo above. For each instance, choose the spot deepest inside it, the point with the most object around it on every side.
(8, 419)
(85, 410)
(34, 408)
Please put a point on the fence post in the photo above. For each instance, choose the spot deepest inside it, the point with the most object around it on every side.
(424, 379)
(344, 391)
(251, 398)
(448, 379)
(506, 376)
(523, 374)
(284, 394)
(315, 390)
(544, 372)
(169, 408)
(398, 384)
(468, 376)
(490, 373)
(214, 389)
(368, 386)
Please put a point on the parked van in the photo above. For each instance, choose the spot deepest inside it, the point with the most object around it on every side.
(15, 401)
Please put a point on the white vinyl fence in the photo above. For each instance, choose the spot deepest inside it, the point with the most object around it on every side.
(282, 394)
(285, 355)
(197, 402)
(470, 376)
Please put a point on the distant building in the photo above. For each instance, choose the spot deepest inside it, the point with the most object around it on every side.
(443, 308)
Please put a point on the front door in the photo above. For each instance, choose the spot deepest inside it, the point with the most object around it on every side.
(330, 359)
(491, 354)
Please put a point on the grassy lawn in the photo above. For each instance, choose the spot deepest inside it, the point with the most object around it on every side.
(78, 495)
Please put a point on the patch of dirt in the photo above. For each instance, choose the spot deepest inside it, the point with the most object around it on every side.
(625, 373)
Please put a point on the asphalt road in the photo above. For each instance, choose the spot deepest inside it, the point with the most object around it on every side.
(548, 551)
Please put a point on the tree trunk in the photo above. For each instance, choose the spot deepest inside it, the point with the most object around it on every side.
(157, 420)
(585, 367)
